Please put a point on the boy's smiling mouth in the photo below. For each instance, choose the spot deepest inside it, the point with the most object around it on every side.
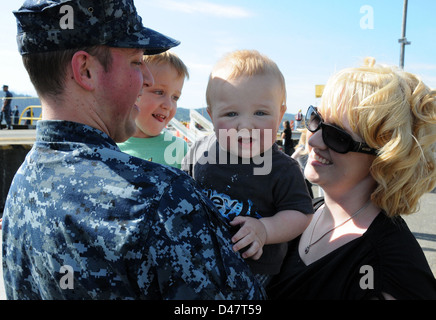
(159, 117)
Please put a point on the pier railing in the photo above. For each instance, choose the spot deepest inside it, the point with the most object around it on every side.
(28, 114)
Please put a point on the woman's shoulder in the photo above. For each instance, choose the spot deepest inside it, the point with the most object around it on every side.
(393, 232)
(402, 266)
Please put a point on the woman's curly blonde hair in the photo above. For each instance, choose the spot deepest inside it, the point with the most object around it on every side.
(394, 112)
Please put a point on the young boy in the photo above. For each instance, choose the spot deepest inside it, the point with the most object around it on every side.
(246, 100)
(157, 106)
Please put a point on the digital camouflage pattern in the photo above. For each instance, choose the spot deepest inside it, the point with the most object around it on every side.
(51, 25)
(129, 228)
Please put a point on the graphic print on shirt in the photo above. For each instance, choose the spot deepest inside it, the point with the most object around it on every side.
(231, 208)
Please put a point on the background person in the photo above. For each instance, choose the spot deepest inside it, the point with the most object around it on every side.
(288, 143)
(301, 154)
(16, 115)
(6, 108)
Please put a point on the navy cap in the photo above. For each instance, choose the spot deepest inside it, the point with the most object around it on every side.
(52, 25)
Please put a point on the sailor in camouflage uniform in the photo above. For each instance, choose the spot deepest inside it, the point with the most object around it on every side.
(82, 219)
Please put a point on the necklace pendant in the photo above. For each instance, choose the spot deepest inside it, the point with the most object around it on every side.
(306, 251)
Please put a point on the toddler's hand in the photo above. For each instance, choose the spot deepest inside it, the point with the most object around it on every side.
(252, 233)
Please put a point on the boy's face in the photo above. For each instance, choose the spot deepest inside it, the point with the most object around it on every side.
(242, 105)
(158, 103)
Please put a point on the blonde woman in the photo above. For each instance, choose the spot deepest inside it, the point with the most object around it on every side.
(301, 154)
(371, 149)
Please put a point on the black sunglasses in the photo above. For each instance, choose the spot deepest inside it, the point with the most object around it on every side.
(335, 138)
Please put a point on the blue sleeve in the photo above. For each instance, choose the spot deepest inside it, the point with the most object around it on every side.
(193, 253)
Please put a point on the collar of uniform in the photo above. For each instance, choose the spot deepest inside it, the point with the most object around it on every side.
(66, 131)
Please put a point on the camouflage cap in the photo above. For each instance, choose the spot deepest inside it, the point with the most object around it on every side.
(51, 25)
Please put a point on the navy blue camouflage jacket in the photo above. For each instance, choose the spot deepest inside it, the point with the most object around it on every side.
(85, 221)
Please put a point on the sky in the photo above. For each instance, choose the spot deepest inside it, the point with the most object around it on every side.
(309, 40)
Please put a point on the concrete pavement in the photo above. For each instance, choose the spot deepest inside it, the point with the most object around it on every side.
(17, 136)
(422, 224)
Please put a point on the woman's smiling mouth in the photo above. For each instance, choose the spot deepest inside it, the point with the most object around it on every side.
(321, 159)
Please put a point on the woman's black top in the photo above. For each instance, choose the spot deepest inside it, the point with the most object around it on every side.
(386, 258)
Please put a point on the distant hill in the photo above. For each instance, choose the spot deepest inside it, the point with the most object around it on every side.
(182, 114)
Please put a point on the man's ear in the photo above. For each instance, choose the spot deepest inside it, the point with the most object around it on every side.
(283, 109)
(82, 63)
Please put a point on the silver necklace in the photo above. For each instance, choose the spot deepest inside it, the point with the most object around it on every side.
(306, 251)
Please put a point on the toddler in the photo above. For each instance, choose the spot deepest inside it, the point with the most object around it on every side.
(246, 100)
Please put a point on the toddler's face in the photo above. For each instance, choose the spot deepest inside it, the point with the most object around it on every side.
(246, 113)
(158, 103)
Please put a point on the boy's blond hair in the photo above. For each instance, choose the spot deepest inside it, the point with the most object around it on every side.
(170, 58)
(394, 112)
(246, 63)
